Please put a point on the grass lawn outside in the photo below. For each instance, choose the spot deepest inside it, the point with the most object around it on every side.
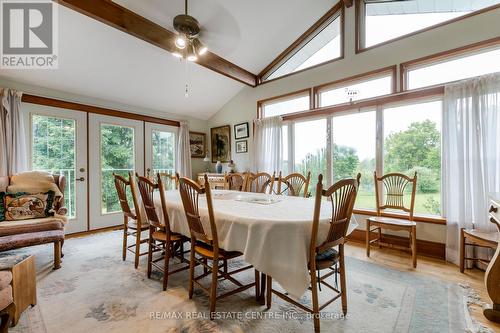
(367, 200)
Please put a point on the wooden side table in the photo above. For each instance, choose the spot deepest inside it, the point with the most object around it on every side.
(23, 282)
(492, 278)
(216, 180)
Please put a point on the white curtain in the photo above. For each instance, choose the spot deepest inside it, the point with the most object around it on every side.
(183, 160)
(268, 144)
(13, 153)
(471, 156)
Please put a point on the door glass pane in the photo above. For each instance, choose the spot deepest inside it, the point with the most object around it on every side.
(163, 145)
(53, 150)
(412, 142)
(354, 153)
(117, 156)
(310, 150)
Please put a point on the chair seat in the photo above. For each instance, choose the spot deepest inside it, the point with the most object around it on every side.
(162, 236)
(327, 259)
(207, 251)
(391, 221)
(132, 224)
(490, 237)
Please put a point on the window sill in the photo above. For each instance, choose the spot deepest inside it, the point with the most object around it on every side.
(417, 218)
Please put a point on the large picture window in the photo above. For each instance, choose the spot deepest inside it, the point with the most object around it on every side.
(412, 143)
(382, 21)
(353, 154)
(310, 151)
(357, 89)
(280, 106)
(438, 71)
(321, 44)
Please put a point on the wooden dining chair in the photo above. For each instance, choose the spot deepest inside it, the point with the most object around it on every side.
(133, 222)
(235, 182)
(170, 181)
(205, 248)
(342, 196)
(390, 191)
(261, 182)
(295, 185)
(161, 238)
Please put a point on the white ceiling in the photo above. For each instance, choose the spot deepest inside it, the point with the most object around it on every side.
(98, 61)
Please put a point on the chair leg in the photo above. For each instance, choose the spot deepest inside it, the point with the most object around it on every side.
(57, 254)
(413, 235)
(257, 285)
(191, 270)
(269, 291)
(150, 254)
(137, 247)
(213, 287)
(125, 229)
(315, 301)
(379, 237)
(343, 287)
(462, 250)
(368, 238)
(167, 261)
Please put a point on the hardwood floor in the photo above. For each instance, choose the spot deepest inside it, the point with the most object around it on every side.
(440, 269)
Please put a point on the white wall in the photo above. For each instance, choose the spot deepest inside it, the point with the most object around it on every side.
(196, 125)
(243, 107)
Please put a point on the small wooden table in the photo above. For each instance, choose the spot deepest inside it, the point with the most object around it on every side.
(492, 278)
(23, 282)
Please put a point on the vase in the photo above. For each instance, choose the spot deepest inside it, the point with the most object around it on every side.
(218, 167)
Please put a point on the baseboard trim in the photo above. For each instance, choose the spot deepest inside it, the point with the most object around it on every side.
(424, 247)
(95, 231)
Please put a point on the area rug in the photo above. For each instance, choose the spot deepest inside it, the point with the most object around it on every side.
(95, 291)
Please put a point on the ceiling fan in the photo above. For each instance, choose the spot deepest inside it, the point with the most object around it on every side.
(187, 40)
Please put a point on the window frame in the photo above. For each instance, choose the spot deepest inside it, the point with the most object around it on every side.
(360, 26)
(449, 55)
(337, 11)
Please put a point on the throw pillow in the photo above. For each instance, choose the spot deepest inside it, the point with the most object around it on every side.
(24, 206)
(2, 206)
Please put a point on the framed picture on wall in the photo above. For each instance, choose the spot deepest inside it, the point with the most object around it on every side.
(197, 144)
(241, 131)
(241, 146)
(220, 138)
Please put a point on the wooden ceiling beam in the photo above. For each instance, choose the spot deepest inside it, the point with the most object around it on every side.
(127, 21)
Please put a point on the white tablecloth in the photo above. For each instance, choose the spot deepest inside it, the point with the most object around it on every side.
(274, 238)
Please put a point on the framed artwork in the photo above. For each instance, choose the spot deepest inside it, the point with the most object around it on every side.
(197, 144)
(241, 131)
(220, 138)
(241, 146)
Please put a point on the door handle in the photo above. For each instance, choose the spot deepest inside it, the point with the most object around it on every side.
(81, 179)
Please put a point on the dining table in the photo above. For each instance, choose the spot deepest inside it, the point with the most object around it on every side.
(273, 232)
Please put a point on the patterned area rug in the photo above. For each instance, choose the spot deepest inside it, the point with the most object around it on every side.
(95, 291)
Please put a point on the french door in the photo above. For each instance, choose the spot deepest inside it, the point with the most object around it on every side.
(57, 140)
(88, 149)
(116, 146)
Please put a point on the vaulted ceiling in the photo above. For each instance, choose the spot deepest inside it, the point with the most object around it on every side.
(99, 61)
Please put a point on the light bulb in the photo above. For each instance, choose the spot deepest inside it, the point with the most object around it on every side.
(180, 42)
(202, 49)
(191, 56)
